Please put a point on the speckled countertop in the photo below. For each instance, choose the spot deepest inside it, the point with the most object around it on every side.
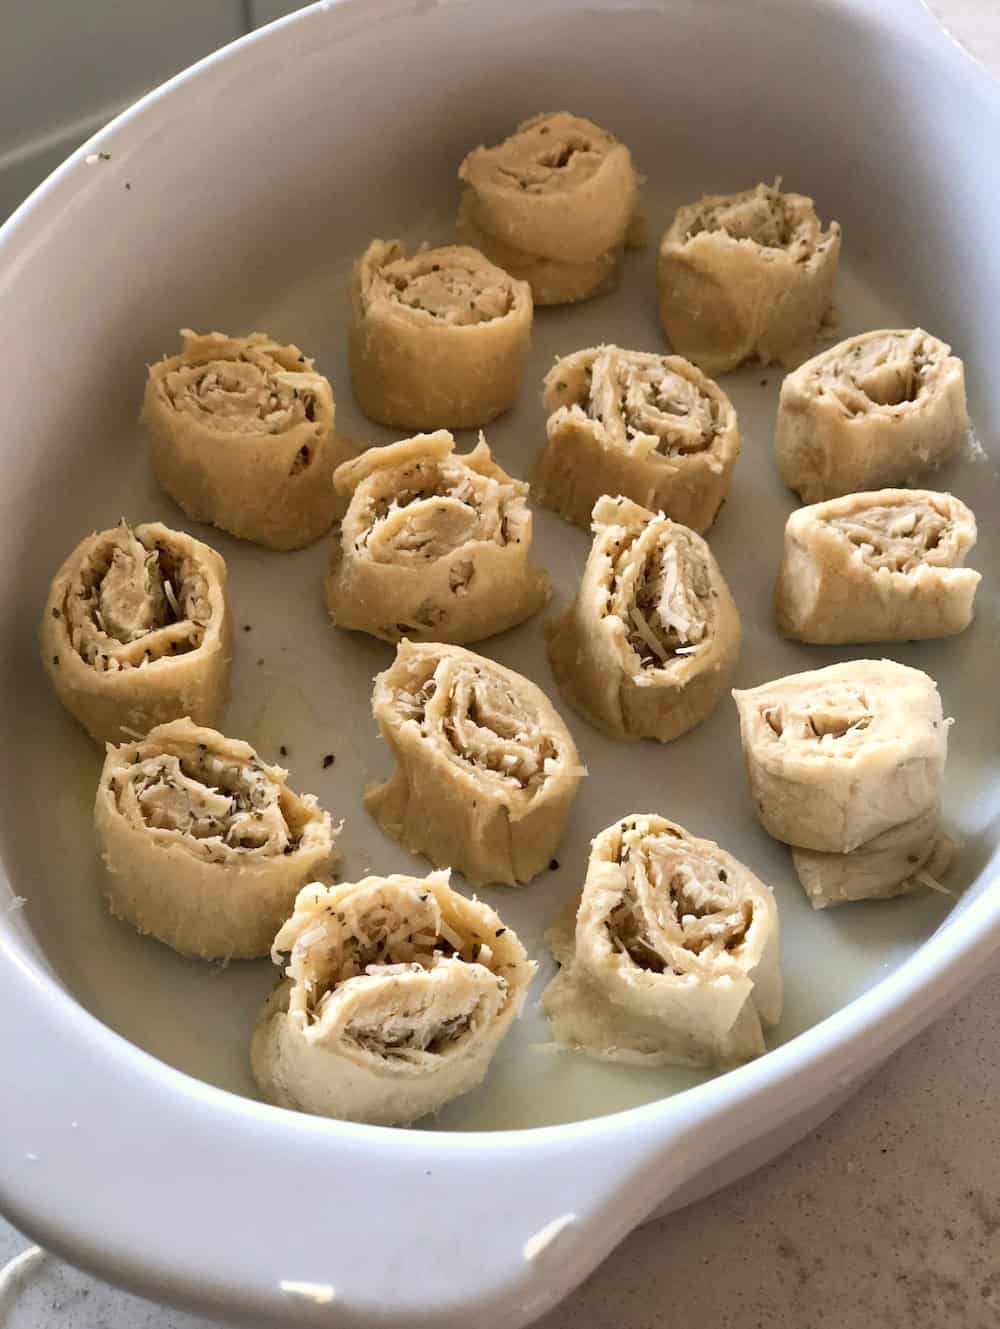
(888, 1217)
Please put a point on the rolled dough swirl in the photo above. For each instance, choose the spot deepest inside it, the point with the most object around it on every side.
(202, 844)
(397, 993)
(650, 427)
(136, 631)
(673, 956)
(647, 647)
(438, 338)
(746, 277)
(486, 769)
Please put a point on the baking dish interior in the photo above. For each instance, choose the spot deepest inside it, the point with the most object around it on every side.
(237, 202)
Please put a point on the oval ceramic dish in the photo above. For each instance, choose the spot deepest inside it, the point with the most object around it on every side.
(235, 197)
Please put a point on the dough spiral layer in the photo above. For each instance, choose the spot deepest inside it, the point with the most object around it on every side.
(435, 545)
(242, 435)
(838, 755)
(202, 844)
(486, 769)
(877, 566)
(397, 993)
(870, 412)
(438, 338)
(650, 427)
(136, 631)
(673, 956)
(555, 204)
(746, 277)
(647, 647)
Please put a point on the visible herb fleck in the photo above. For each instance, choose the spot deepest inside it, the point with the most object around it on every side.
(104, 156)
(722, 875)
(328, 760)
(55, 612)
(499, 932)
(55, 659)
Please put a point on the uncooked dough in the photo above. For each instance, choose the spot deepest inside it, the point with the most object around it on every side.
(555, 204)
(435, 545)
(650, 427)
(438, 338)
(870, 412)
(746, 277)
(397, 993)
(136, 631)
(647, 647)
(202, 844)
(486, 769)
(879, 566)
(673, 956)
(241, 434)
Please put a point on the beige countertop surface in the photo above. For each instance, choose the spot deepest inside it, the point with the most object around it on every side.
(887, 1216)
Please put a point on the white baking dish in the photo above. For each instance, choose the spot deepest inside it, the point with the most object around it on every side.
(235, 197)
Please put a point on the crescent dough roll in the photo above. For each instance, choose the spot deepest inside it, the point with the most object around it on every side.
(839, 755)
(674, 955)
(871, 411)
(880, 566)
(397, 993)
(201, 844)
(746, 277)
(136, 631)
(241, 435)
(651, 427)
(554, 204)
(437, 339)
(647, 647)
(900, 860)
(434, 545)
(486, 770)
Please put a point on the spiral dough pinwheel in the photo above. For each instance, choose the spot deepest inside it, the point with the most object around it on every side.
(746, 277)
(242, 435)
(397, 993)
(647, 647)
(650, 427)
(438, 339)
(674, 953)
(554, 204)
(435, 545)
(136, 631)
(845, 764)
(870, 412)
(486, 770)
(879, 566)
(201, 844)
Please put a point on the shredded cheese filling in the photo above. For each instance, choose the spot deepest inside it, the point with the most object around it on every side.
(132, 603)
(676, 911)
(218, 806)
(650, 407)
(447, 289)
(251, 393)
(413, 985)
